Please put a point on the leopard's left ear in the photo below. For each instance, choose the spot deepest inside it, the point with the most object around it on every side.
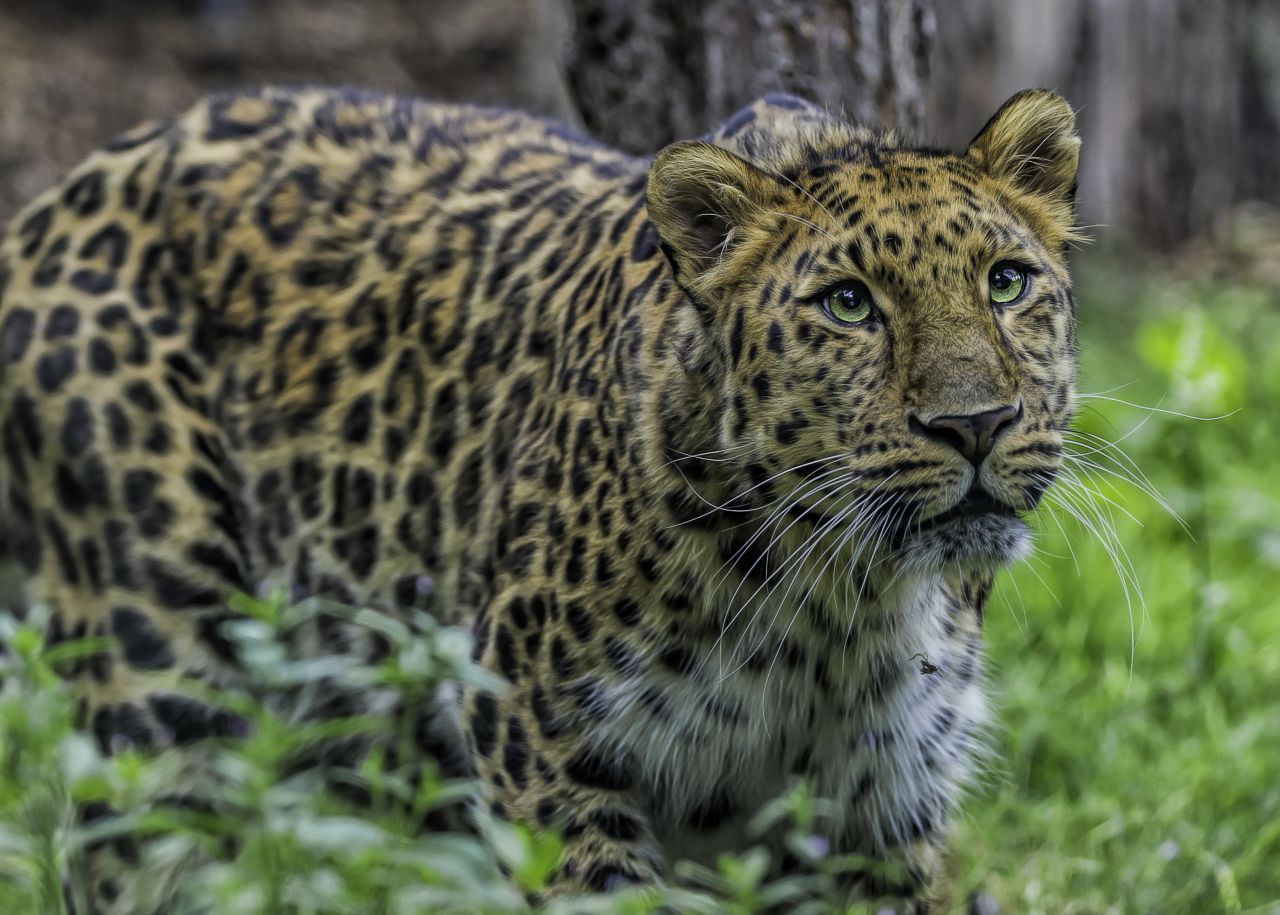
(1031, 142)
(704, 201)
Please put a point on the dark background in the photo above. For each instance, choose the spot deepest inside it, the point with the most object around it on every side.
(1134, 660)
(1177, 99)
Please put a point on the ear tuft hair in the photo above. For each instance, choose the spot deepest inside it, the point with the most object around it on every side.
(700, 196)
(1031, 143)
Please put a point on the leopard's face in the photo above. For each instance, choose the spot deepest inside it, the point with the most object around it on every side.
(896, 331)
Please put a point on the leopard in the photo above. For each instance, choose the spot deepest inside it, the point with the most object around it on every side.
(715, 453)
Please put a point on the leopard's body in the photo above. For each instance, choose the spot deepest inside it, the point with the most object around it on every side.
(349, 341)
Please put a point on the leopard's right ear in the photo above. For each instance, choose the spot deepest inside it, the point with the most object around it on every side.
(703, 200)
(1031, 144)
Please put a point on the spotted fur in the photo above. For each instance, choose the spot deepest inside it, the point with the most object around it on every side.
(348, 341)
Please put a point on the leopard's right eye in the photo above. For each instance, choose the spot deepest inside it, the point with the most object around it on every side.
(849, 304)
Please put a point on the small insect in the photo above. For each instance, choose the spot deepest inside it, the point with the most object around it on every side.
(926, 666)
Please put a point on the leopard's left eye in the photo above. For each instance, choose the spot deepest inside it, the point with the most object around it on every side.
(1007, 283)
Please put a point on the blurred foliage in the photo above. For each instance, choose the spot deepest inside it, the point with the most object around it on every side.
(1135, 668)
(1139, 746)
(278, 842)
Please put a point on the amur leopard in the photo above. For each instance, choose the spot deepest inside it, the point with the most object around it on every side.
(708, 450)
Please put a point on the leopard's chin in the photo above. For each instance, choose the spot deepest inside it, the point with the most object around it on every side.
(978, 532)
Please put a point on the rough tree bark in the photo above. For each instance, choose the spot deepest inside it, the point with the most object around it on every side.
(1177, 99)
(75, 72)
(646, 72)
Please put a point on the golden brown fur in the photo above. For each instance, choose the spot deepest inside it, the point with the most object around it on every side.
(347, 341)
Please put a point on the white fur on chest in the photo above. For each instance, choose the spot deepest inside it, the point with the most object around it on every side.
(889, 745)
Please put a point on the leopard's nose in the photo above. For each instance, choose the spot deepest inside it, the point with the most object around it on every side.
(974, 434)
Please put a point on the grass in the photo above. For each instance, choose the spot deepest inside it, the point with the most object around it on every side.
(1139, 752)
(1138, 757)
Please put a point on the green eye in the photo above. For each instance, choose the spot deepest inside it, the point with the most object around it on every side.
(1008, 283)
(849, 304)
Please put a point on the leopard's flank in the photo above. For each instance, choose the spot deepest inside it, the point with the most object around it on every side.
(709, 451)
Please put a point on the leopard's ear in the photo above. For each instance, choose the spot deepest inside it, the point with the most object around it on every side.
(703, 200)
(1031, 143)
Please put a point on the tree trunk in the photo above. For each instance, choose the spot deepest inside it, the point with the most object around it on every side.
(1177, 99)
(1260, 101)
(645, 72)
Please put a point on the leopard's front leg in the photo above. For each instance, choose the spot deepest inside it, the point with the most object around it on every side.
(537, 766)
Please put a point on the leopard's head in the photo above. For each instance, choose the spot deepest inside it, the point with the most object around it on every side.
(890, 329)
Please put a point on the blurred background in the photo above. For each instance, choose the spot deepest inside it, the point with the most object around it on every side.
(1136, 661)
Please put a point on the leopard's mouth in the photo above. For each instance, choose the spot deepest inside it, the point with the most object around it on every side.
(978, 531)
(976, 503)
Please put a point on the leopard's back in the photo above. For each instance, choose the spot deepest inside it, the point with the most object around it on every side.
(345, 288)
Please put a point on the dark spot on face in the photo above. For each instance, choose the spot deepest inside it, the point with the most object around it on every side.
(85, 194)
(546, 812)
(735, 336)
(775, 338)
(158, 440)
(787, 433)
(359, 549)
(549, 724)
(573, 568)
(762, 386)
(102, 358)
(645, 245)
(118, 425)
(121, 726)
(678, 659)
(219, 561)
(605, 877)
(621, 656)
(141, 395)
(561, 662)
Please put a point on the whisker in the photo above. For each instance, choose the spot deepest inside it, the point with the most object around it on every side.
(1074, 497)
(1034, 558)
(703, 456)
(837, 483)
(1126, 468)
(805, 222)
(835, 223)
(905, 508)
(1081, 469)
(1180, 415)
(799, 605)
(844, 538)
(809, 487)
(724, 506)
(1112, 390)
(791, 563)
